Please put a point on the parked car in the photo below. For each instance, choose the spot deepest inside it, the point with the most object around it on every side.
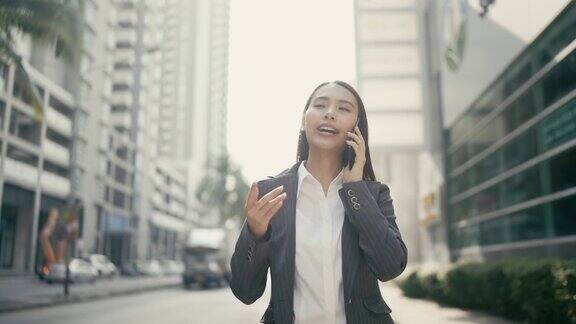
(80, 271)
(172, 267)
(149, 268)
(103, 265)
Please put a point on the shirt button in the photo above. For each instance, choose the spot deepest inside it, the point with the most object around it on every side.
(349, 301)
(351, 192)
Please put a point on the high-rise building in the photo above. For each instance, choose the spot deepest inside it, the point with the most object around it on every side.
(97, 142)
(159, 207)
(388, 77)
(45, 164)
(192, 127)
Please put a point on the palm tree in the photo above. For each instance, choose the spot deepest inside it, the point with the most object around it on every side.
(224, 189)
(56, 22)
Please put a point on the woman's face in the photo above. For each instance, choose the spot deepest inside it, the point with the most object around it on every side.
(334, 107)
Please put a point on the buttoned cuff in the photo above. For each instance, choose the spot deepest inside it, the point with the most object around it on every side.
(350, 192)
(357, 198)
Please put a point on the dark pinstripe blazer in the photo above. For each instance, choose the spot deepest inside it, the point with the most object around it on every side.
(372, 250)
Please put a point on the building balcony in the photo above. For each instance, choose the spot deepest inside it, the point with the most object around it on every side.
(127, 36)
(177, 192)
(121, 119)
(122, 98)
(125, 55)
(56, 153)
(127, 17)
(123, 77)
(58, 122)
(54, 184)
(21, 173)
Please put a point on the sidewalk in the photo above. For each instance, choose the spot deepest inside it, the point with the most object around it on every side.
(24, 292)
(410, 310)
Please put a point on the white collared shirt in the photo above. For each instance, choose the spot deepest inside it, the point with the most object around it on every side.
(318, 289)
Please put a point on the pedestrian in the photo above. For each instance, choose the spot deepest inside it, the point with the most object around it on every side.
(63, 227)
(325, 227)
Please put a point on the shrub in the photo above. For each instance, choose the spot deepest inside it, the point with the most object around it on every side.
(541, 291)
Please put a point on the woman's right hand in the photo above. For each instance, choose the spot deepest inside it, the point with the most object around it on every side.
(259, 212)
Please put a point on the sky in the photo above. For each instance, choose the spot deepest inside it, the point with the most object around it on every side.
(279, 52)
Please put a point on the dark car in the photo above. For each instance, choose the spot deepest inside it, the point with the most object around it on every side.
(203, 266)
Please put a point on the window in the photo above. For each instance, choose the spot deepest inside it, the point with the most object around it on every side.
(461, 210)
(109, 168)
(521, 149)
(492, 231)
(564, 216)
(2, 114)
(528, 224)
(7, 236)
(521, 187)
(22, 156)
(486, 201)
(467, 236)
(56, 169)
(561, 170)
(120, 175)
(120, 87)
(487, 168)
(60, 107)
(123, 45)
(122, 152)
(24, 127)
(119, 199)
(58, 138)
(560, 81)
(4, 69)
(518, 112)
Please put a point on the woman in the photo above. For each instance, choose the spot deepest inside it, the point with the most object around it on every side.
(325, 229)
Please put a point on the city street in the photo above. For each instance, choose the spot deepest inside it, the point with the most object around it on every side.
(219, 306)
(171, 306)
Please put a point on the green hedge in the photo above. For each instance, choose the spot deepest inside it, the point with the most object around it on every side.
(540, 291)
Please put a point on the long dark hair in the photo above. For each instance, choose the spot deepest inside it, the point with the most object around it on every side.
(304, 148)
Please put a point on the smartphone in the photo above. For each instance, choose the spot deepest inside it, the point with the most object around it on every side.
(348, 156)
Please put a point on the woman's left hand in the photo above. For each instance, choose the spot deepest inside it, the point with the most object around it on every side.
(357, 142)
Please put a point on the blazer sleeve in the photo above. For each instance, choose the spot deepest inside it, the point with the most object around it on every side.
(249, 265)
(375, 220)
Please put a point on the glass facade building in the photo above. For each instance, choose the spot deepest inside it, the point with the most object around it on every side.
(511, 157)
